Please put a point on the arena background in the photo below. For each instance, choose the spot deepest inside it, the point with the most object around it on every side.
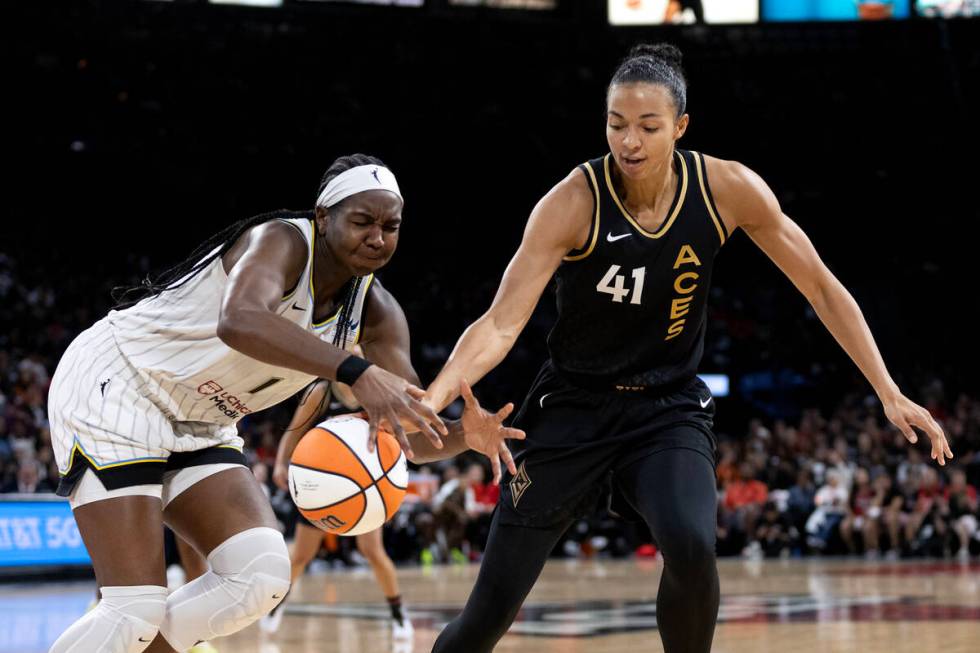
(137, 129)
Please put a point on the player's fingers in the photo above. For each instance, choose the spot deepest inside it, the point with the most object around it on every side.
(405, 445)
(466, 392)
(504, 412)
(935, 432)
(399, 433)
(508, 459)
(907, 431)
(941, 439)
(372, 433)
(495, 467)
(514, 434)
(416, 416)
(427, 414)
(415, 392)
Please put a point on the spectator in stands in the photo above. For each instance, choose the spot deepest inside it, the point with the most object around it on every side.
(924, 528)
(831, 502)
(773, 532)
(800, 502)
(885, 510)
(481, 499)
(28, 479)
(741, 507)
(859, 504)
(960, 511)
(449, 510)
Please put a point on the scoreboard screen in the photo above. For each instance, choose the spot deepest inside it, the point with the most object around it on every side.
(805, 10)
(948, 8)
(682, 12)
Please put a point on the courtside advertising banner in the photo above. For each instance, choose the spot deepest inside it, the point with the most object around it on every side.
(38, 531)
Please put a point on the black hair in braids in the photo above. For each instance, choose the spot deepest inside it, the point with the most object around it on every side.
(654, 64)
(218, 244)
(199, 259)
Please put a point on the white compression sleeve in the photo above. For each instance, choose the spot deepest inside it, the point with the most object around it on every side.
(125, 620)
(249, 576)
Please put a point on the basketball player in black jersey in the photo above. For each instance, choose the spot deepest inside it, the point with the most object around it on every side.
(630, 238)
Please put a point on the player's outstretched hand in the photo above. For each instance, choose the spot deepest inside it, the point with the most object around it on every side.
(485, 432)
(905, 413)
(385, 396)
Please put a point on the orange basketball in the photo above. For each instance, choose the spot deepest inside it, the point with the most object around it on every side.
(340, 487)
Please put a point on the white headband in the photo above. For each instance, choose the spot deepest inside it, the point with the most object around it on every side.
(357, 180)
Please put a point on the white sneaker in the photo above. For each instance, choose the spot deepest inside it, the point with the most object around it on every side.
(403, 630)
(270, 623)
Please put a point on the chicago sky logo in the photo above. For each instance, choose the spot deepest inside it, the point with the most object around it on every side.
(227, 403)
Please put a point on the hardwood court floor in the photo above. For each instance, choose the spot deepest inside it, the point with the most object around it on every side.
(810, 606)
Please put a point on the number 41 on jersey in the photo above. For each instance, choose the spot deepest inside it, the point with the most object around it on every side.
(614, 284)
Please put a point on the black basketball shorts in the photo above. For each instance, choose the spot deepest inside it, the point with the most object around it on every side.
(577, 439)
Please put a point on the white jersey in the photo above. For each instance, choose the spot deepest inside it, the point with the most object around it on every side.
(190, 374)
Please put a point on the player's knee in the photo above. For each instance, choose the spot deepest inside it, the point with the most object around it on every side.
(127, 616)
(254, 567)
(691, 551)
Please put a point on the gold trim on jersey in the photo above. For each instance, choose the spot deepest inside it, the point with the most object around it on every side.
(362, 292)
(626, 214)
(595, 218)
(76, 447)
(707, 200)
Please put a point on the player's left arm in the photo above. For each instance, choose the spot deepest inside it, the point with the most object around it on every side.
(746, 201)
(387, 343)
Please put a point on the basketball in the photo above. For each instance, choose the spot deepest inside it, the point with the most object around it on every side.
(338, 485)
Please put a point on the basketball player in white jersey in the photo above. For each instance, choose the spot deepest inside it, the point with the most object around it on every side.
(144, 405)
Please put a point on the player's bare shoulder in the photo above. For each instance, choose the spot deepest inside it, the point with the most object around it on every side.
(379, 300)
(564, 215)
(380, 307)
(741, 195)
(275, 238)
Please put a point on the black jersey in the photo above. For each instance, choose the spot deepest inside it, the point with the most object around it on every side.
(632, 304)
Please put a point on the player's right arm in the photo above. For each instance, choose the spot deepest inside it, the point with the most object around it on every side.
(559, 223)
(261, 267)
(312, 403)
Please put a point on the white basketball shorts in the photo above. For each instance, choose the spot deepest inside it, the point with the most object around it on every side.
(103, 418)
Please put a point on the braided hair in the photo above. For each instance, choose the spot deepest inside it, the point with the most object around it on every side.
(654, 64)
(219, 244)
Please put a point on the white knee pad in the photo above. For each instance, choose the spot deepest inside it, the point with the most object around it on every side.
(249, 576)
(125, 621)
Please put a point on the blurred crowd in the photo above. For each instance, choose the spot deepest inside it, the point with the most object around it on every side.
(830, 480)
(845, 483)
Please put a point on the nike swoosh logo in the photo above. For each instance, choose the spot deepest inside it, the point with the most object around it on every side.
(297, 308)
(276, 596)
(704, 402)
(541, 402)
(143, 640)
(613, 239)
